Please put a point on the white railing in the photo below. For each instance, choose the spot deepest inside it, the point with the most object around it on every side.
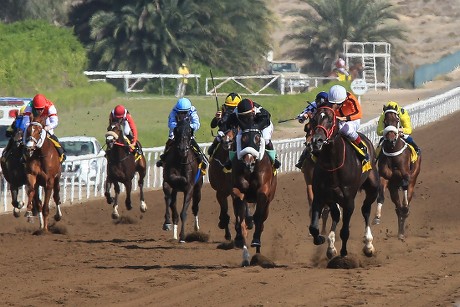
(289, 150)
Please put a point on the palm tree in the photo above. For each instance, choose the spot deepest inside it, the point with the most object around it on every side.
(321, 28)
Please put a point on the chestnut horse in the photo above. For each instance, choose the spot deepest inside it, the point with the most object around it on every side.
(355, 72)
(221, 180)
(43, 168)
(122, 165)
(396, 170)
(181, 173)
(337, 178)
(14, 171)
(254, 181)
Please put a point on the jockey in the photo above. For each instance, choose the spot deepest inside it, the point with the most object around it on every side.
(246, 112)
(348, 111)
(406, 126)
(183, 106)
(121, 115)
(231, 101)
(341, 66)
(320, 99)
(42, 107)
(17, 124)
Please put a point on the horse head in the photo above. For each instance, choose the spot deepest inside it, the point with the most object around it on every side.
(251, 147)
(392, 124)
(183, 136)
(324, 128)
(226, 138)
(36, 135)
(114, 135)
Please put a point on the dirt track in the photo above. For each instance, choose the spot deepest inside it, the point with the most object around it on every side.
(96, 262)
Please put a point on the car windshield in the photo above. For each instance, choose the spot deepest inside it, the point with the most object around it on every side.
(78, 148)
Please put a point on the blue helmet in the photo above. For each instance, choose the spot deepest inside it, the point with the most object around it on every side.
(183, 104)
(321, 98)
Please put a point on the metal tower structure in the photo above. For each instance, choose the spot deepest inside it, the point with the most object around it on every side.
(375, 58)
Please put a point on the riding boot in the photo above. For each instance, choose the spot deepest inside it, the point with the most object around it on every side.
(276, 163)
(138, 148)
(59, 148)
(358, 142)
(302, 158)
(213, 146)
(163, 155)
(200, 155)
(410, 140)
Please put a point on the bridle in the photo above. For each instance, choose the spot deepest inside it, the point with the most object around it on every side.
(329, 132)
(394, 129)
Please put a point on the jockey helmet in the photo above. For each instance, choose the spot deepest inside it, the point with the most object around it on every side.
(246, 106)
(321, 98)
(119, 111)
(337, 94)
(232, 100)
(39, 101)
(183, 104)
(22, 110)
(393, 105)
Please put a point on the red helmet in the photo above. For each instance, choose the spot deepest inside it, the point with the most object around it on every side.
(39, 101)
(119, 111)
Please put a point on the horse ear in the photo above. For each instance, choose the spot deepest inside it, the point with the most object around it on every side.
(384, 108)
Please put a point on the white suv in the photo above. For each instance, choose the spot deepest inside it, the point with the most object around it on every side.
(85, 160)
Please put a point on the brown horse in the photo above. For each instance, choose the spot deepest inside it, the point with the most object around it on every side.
(43, 168)
(254, 181)
(14, 171)
(355, 72)
(181, 174)
(337, 178)
(122, 165)
(396, 170)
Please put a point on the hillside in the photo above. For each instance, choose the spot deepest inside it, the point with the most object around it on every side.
(432, 28)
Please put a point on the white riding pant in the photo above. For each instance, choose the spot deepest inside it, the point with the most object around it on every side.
(350, 128)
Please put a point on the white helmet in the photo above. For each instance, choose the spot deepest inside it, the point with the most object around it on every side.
(337, 94)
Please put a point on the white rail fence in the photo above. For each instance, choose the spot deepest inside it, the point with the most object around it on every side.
(74, 191)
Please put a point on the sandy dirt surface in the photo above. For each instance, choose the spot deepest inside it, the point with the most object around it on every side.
(88, 260)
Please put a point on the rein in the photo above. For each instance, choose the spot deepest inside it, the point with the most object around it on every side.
(343, 159)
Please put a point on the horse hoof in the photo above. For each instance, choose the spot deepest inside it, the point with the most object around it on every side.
(143, 207)
(16, 212)
(57, 217)
(368, 251)
(376, 221)
(167, 227)
(228, 237)
(222, 225)
(256, 243)
(115, 216)
(319, 240)
(129, 207)
(239, 243)
(401, 237)
(249, 222)
(245, 263)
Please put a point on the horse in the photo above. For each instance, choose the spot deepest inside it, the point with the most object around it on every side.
(396, 170)
(181, 174)
(338, 175)
(122, 165)
(354, 72)
(254, 180)
(14, 171)
(43, 168)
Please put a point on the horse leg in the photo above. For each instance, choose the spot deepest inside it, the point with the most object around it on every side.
(14, 200)
(394, 194)
(183, 214)
(195, 204)
(57, 200)
(224, 217)
(380, 200)
(31, 194)
(140, 182)
(371, 195)
(108, 186)
(324, 216)
(168, 197)
(316, 209)
(44, 213)
(345, 231)
(335, 216)
(260, 216)
(128, 187)
(115, 214)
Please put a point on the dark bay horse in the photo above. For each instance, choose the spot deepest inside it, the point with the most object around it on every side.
(122, 165)
(396, 170)
(337, 178)
(254, 181)
(181, 173)
(43, 168)
(221, 181)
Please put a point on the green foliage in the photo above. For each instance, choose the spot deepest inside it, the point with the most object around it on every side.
(36, 56)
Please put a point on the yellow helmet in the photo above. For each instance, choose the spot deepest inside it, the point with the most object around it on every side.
(393, 105)
(232, 100)
(22, 110)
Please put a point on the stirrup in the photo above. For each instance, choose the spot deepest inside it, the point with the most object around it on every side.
(276, 164)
